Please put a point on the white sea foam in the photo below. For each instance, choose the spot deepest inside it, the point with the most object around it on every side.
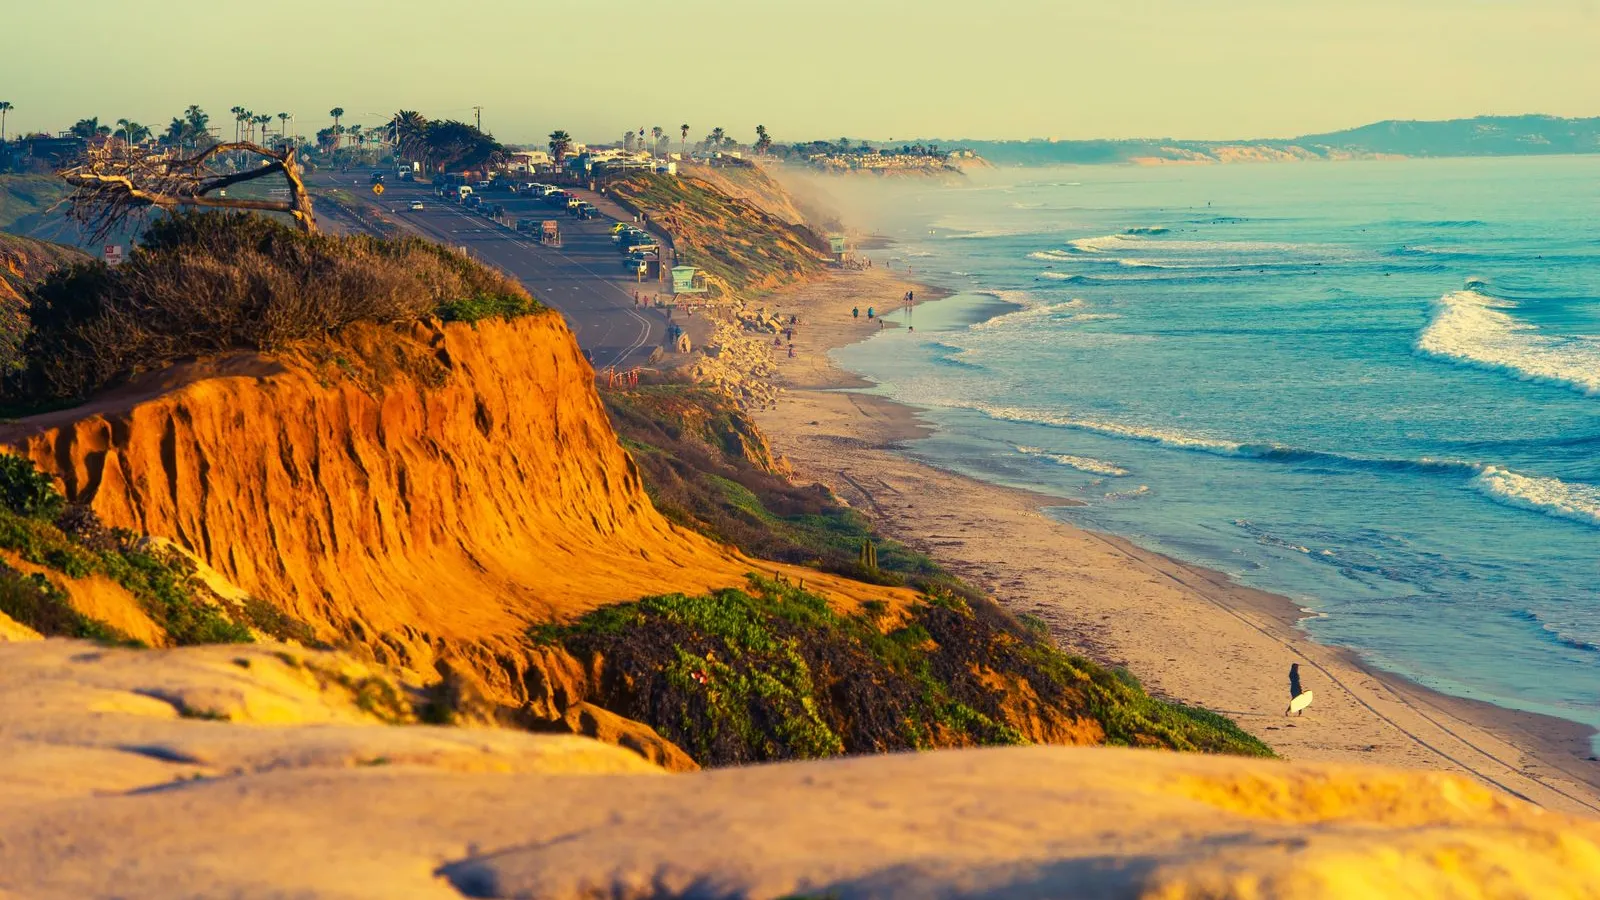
(1175, 439)
(1033, 310)
(1139, 491)
(1050, 255)
(1108, 243)
(1150, 241)
(1551, 496)
(1081, 463)
(1476, 329)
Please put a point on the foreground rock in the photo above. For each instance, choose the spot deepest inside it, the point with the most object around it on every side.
(120, 781)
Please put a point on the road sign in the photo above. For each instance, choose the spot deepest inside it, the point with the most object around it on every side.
(113, 254)
(378, 189)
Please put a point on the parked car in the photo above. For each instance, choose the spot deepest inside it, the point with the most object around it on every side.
(472, 201)
(416, 206)
(527, 226)
(493, 210)
(376, 178)
(556, 198)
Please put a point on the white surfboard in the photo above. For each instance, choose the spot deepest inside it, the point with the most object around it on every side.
(1299, 704)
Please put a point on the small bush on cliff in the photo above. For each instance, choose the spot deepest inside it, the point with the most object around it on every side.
(209, 283)
(26, 491)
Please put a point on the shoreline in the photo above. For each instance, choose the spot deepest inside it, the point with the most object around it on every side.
(1189, 633)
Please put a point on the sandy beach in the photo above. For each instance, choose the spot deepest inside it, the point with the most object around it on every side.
(1189, 634)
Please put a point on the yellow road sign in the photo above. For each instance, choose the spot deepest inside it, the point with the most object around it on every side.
(378, 189)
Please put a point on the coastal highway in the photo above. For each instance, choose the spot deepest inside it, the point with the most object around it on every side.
(582, 279)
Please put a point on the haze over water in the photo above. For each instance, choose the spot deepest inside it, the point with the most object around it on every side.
(1373, 387)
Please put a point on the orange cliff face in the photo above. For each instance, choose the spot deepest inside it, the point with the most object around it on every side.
(441, 513)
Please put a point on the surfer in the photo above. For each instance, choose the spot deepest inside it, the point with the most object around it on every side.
(1298, 699)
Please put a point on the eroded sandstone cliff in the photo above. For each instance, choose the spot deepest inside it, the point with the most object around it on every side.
(424, 495)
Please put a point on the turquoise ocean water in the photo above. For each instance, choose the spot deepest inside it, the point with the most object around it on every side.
(1371, 387)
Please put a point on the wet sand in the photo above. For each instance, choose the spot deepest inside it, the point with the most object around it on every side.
(1189, 634)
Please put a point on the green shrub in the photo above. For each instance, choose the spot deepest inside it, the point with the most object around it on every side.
(28, 492)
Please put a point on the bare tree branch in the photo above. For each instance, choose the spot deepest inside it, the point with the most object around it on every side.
(110, 186)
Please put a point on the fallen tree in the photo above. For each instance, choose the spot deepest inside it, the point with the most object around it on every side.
(111, 185)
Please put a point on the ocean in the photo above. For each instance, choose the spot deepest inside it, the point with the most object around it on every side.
(1371, 387)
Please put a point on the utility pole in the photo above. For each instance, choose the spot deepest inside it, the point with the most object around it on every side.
(477, 115)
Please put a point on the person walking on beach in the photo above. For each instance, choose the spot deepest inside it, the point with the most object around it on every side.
(1298, 699)
(855, 312)
(870, 313)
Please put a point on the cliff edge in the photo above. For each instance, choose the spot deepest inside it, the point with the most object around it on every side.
(110, 790)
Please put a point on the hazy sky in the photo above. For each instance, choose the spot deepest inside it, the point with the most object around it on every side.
(809, 68)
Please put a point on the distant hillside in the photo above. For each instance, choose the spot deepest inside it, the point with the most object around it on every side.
(1483, 136)
(24, 200)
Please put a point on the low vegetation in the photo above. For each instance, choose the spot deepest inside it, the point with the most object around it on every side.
(209, 283)
(739, 246)
(708, 467)
(772, 672)
(40, 528)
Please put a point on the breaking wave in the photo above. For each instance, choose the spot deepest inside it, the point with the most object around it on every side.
(1551, 496)
(1081, 463)
(1216, 446)
(1474, 328)
(1032, 310)
(1575, 501)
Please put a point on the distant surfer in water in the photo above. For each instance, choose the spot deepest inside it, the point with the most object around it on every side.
(1298, 699)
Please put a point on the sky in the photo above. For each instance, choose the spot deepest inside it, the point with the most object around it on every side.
(873, 69)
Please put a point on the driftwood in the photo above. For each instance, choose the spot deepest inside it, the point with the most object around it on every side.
(111, 185)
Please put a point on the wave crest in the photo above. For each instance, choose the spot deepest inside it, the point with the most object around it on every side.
(1081, 463)
(1551, 496)
(1473, 328)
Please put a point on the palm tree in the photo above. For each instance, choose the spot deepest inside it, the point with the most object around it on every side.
(85, 128)
(197, 121)
(656, 133)
(283, 126)
(714, 140)
(763, 140)
(336, 112)
(408, 130)
(264, 120)
(627, 141)
(560, 144)
(238, 122)
(355, 134)
(5, 107)
(684, 129)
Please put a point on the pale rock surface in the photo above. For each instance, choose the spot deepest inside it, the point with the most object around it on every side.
(106, 791)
